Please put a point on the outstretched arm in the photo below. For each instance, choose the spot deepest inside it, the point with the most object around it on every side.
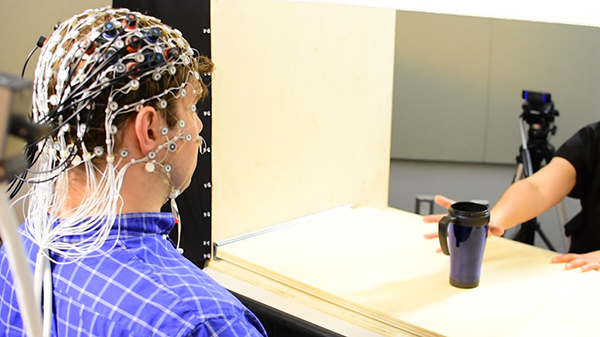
(525, 199)
(530, 197)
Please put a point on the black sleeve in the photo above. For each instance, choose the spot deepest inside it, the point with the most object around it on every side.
(581, 150)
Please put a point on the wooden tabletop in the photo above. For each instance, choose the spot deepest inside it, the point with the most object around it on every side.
(374, 266)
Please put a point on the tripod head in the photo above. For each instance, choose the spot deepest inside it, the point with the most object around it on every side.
(539, 113)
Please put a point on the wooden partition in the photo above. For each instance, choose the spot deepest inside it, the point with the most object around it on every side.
(302, 101)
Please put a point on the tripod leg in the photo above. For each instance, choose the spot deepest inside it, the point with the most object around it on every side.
(545, 238)
(562, 217)
(519, 172)
(526, 233)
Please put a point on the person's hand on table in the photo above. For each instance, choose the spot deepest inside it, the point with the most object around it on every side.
(446, 203)
(587, 262)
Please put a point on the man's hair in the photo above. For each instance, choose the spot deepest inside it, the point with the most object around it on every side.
(99, 68)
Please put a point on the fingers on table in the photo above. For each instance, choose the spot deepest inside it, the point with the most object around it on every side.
(590, 266)
(564, 258)
(430, 235)
(573, 261)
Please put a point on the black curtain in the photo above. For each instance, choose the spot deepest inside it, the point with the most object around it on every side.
(192, 18)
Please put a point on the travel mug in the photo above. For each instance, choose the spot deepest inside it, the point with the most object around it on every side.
(463, 235)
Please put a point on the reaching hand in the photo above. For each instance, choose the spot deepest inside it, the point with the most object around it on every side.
(587, 262)
(446, 203)
(442, 201)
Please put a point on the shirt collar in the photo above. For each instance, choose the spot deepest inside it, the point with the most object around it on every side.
(132, 224)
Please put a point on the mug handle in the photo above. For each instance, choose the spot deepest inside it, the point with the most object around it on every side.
(443, 232)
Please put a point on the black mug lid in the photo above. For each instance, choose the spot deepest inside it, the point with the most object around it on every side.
(466, 210)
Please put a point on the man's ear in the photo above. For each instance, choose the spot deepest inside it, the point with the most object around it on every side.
(147, 125)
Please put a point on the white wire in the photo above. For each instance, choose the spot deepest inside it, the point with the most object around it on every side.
(47, 321)
(31, 315)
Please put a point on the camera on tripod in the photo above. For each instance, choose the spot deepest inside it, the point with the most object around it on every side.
(535, 151)
(539, 113)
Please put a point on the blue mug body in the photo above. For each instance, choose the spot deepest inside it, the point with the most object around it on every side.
(463, 235)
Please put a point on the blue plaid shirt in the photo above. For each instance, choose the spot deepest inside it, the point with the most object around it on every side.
(140, 287)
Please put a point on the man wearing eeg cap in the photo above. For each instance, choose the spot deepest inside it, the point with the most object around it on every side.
(119, 90)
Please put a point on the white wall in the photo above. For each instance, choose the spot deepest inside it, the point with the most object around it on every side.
(458, 83)
(23, 22)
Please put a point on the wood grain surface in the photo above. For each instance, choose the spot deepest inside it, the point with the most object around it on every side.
(376, 264)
